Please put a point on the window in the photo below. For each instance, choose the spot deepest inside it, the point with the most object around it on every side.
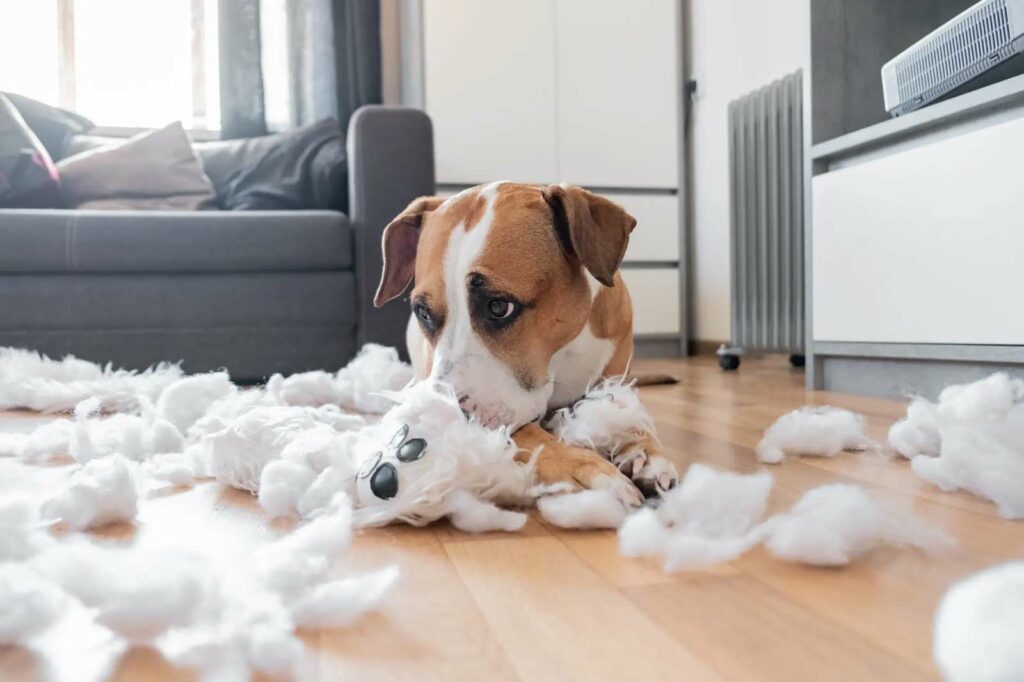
(121, 63)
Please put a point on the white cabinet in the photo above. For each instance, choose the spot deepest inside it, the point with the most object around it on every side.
(923, 245)
(618, 87)
(655, 295)
(585, 92)
(656, 236)
(490, 89)
(577, 91)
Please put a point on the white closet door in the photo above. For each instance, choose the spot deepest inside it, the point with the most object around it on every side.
(618, 92)
(489, 77)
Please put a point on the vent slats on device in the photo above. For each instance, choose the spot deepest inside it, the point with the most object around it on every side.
(981, 35)
(767, 221)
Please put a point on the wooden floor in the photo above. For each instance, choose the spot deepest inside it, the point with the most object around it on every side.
(548, 604)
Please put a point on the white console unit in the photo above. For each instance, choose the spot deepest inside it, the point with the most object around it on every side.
(917, 248)
(586, 92)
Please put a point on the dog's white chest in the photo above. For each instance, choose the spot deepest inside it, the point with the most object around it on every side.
(576, 366)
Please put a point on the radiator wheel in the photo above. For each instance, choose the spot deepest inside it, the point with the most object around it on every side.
(729, 362)
(797, 360)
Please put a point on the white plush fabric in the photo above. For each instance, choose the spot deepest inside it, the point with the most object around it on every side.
(813, 431)
(972, 439)
(35, 382)
(185, 401)
(978, 627)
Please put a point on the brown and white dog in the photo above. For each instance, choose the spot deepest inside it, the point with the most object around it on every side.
(518, 304)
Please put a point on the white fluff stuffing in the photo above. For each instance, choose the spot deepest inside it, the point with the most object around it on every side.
(339, 603)
(101, 492)
(709, 518)
(833, 524)
(972, 439)
(139, 594)
(712, 514)
(28, 603)
(48, 442)
(473, 515)
(643, 534)
(186, 400)
(35, 382)
(22, 531)
(978, 627)
(358, 385)
(585, 509)
(813, 431)
(714, 517)
(609, 416)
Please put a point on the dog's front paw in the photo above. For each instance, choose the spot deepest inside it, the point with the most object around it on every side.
(657, 476)
(586, 470)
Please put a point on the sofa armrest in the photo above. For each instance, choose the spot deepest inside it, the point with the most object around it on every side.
(391, 162)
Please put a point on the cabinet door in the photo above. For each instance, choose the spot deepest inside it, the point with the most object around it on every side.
(655, 296)
(618, 92)
(489, 79)
(923, 245)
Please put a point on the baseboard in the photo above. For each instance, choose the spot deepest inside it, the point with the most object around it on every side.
(703, 347)
(657, 347)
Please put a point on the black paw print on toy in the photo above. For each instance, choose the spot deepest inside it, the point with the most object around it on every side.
(383, 475)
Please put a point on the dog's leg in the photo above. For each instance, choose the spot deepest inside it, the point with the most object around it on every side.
(643, 461)
(582, 469)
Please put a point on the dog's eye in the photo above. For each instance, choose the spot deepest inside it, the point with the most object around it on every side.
(423, 314)
(500, 309)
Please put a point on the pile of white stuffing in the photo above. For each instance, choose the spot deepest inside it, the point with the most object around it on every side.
(364, 447)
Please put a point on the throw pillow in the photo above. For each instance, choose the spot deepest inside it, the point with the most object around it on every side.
(52, 125)
(156, 170)
(28, 178)
(302, 169)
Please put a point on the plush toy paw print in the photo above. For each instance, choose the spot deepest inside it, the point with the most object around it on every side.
(382, 472)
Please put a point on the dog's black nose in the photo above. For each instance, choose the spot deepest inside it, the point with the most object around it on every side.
(384, 482)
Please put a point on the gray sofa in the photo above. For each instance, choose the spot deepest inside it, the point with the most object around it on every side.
(254, 292)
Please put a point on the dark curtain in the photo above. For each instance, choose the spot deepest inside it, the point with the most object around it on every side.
(241, 79)
(333, 63)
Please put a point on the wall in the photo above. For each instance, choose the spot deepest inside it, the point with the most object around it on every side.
(735, 47)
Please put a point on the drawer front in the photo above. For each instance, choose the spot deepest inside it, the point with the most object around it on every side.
(656, 237)
(925, 245)
(655, 294)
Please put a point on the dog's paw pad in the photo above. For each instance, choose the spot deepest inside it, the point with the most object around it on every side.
(657, 476)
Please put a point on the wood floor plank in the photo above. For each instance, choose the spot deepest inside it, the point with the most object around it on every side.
(748, 632)
(558, 620)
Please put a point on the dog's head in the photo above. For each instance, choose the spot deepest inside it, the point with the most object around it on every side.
(504, 276)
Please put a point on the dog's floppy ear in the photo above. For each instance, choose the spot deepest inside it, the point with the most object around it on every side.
(592, 228)
(398, 244)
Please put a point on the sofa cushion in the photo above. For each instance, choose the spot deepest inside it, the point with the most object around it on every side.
(156, 170)
(301, 169)
(58, 241)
